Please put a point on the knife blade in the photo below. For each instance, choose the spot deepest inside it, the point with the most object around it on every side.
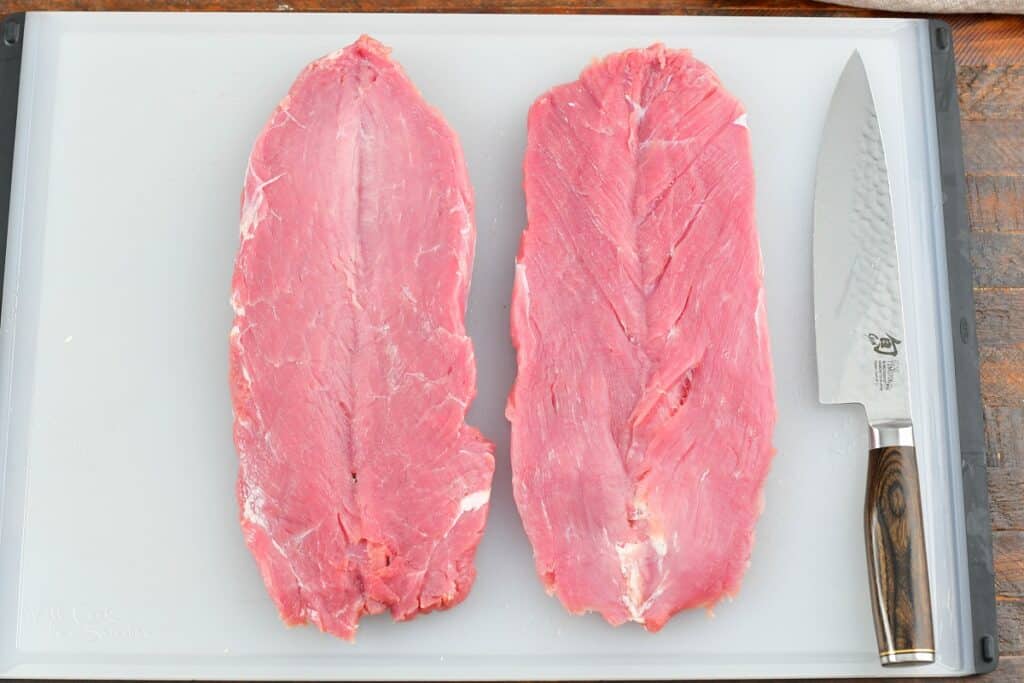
(862, 358)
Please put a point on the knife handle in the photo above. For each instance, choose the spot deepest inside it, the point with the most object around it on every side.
(897, 562)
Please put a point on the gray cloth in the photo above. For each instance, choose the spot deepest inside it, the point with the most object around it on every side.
(946, 6)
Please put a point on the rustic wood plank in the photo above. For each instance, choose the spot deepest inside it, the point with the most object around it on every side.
(1008, 559)
(1000, 316)
(1002, 376)
(1005, 501)
(991, 91)
(998, 258)
(1010, 623)
(996, 202)
(988, 39)
(1004, 431)
(992, 147)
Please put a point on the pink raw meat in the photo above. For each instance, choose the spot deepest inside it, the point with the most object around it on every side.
(643, 409)
(361, 487)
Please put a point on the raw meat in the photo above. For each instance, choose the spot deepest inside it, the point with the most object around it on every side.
(643, 409)
(361, 487)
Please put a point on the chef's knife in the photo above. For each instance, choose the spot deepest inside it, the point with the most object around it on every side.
(862, 358)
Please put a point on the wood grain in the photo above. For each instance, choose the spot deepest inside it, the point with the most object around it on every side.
(897, 562)
(996, 202)
(986, 90)
(1008, 551)
(1000, 315)
(1004, 427)
(1004, 487)
(1010, 623)
(1002, 376)
(998, 259)
(992, 146)
(996, 40)
(990, 55)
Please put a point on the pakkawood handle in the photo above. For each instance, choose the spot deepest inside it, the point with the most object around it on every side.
(897, 562)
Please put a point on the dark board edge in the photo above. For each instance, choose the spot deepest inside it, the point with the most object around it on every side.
(977, 522)
(12, 38)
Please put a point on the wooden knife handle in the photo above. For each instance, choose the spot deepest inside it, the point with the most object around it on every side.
(897, 562)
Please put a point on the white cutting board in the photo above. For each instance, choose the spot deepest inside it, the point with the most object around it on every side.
(120, 552)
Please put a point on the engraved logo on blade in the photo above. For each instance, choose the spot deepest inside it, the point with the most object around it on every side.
(885, 374)
(885, 370)
(885, 345)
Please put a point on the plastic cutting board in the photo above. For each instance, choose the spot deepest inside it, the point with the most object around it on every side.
(120, 550)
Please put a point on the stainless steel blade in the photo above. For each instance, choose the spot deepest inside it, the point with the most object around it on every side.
(858, 313)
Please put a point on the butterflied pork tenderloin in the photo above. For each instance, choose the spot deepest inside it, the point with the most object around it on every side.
(361, 487)
(643, 408)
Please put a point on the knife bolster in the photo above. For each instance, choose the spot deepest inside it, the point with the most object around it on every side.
(886, 434)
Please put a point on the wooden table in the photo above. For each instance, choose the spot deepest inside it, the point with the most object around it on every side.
(990, 57)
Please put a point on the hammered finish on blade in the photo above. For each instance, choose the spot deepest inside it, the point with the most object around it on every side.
(858, 314)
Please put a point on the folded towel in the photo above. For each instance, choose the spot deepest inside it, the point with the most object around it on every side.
(945, 6)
